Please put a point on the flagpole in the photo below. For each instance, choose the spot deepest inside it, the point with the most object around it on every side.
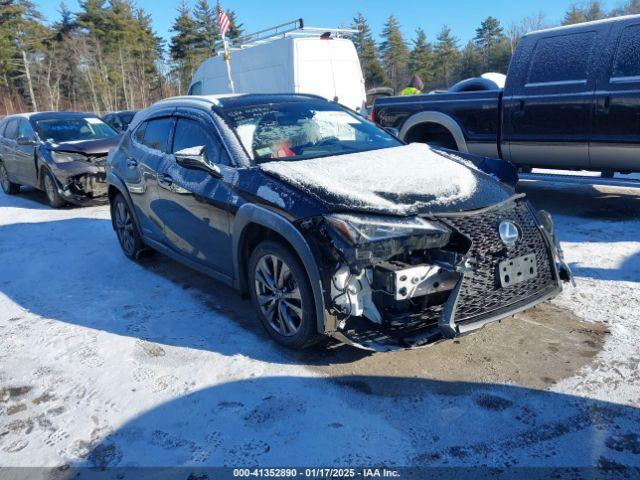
(227, 59)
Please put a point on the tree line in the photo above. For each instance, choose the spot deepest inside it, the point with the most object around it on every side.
(442, 62)
(106, 56)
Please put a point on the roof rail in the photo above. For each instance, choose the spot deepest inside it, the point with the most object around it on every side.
(292, 28)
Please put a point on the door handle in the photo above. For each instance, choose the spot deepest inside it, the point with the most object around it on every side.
(132, 162)
(165, 180)
(521, 105)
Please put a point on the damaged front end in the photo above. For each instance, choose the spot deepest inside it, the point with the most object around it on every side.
(81, 178)
(405, 282)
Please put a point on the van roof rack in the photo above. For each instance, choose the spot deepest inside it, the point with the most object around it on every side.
(295, 28)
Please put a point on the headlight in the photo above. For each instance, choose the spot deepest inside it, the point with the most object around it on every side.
(546, 221)
(66, 157)
(359, 229)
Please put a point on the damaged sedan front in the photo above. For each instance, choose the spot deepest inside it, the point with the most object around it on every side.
(62, 153)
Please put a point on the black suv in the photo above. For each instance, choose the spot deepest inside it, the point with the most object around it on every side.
(332, 225)
(62, 153)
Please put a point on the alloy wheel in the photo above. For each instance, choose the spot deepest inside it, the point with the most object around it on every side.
(124, 227)
(4, 178)
(278, 295)
(49, 188)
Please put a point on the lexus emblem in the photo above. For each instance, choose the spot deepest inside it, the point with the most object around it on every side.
(509, 232)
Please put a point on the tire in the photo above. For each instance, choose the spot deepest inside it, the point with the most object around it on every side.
(287, 313)
(125, 228)
(51, 191)
(8, 186)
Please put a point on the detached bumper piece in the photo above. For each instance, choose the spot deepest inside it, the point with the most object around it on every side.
(467, 294)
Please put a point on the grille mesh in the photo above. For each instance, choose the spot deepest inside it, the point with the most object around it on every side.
(481, 292)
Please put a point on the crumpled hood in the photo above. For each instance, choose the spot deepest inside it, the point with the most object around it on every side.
(87, 147)
(404, 180)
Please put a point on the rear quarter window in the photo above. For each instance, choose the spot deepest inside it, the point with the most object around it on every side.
(157, 134)
(563, 58)
(626, 63)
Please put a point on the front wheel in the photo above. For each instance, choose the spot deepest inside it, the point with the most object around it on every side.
(51, 190)
(125, 228)
(8, 186)
(282, 295)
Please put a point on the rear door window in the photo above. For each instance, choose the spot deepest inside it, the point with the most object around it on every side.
(191, 133)
(158, 133)
(25, 130)
(562, 59)
(11, 131)
(626, 64)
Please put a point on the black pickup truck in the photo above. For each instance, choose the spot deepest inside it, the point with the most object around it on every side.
(571, 101)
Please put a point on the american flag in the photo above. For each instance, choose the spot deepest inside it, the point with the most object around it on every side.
(223, 21)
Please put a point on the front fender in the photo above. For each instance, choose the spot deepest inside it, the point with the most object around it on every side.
(251, 213)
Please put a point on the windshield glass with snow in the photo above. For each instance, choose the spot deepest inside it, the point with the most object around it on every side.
(60, 130)
(297, 131)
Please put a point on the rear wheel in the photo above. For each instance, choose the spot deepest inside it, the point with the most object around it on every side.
(8, 186)
(282, 295)
(125, 228)
(51, 190)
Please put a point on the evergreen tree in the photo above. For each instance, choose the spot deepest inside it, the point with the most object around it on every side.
(367, 52)
(421, 58)
(207, 29)
(470, 63)
(236, 29)
(446, 56)
(489, 33)
(394, 53)
(579, 13)
(183, 45)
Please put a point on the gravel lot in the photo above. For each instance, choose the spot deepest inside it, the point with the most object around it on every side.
(105, 362)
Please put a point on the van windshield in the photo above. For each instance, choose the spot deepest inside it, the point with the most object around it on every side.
(301, 130)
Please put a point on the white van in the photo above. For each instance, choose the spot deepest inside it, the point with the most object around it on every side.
(319, 64)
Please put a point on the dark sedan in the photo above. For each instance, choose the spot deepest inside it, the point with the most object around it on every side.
(64, 154)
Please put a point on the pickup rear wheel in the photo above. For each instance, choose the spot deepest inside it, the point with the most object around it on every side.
(432, 134)
(8, 186)
(282, 295)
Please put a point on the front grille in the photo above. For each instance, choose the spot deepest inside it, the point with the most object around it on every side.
(481, 292)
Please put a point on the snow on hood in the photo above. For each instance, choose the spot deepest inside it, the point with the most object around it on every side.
(398, 180)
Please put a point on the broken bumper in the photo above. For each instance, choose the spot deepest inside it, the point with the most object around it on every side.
(475, 295)
(81, 183)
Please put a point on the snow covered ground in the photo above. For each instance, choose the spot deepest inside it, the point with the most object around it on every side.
(106, 362)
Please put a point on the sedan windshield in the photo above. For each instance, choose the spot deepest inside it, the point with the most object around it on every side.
(296, 131)
(60, 130)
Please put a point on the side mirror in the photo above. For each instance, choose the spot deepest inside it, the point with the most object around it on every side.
(195, 158)
(26, 141)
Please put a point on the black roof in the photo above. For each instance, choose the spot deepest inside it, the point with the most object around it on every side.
(262, 98)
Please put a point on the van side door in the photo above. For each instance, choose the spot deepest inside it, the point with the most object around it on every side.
(547, 113)
(194, 203)
(615, 141)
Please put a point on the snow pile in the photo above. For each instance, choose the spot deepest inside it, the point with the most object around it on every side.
(399, 179)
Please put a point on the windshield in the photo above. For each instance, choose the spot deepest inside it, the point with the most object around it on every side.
(60, 130)
(296, 131)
